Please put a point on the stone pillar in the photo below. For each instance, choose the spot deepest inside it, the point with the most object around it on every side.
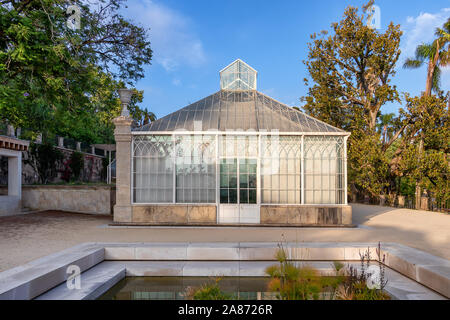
(10, 131)
(401, 201)
(92, 149)
(15, 175)
(39, 138)
(61, 142)
(424, 203)
(78, 146)
(382, 200)
(122, 134)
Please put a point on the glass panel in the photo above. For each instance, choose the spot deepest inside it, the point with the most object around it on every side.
(280, 169)
(323, 166)
(233, 196)
(232, 181)
(252, 181)
(223, 195)
(243, 194)
(252, 196)
(152, 169)
(238, 76)
(223, 180)
(243, 181)
(195, 167)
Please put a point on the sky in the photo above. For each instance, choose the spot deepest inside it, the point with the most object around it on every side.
(192, 40)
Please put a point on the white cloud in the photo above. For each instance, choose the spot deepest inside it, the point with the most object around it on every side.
(420, 29)
(172, 39)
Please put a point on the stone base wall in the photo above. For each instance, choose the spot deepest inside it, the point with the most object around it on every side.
(306, 215)
(9, 205)
(175, 214)
(179, 214)
(83, 199)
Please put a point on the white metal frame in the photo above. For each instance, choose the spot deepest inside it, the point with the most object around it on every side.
(217, 134)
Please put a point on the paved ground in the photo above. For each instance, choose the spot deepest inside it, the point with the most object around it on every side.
(30, 236)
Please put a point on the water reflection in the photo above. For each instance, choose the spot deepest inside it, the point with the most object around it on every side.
(174, 288)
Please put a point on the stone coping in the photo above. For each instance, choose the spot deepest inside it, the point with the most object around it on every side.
(13, 143)
(35, 278)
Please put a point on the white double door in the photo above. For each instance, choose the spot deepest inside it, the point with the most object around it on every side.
(238, 193)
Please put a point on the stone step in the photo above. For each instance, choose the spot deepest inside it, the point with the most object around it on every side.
(38, 276)
(93, 283)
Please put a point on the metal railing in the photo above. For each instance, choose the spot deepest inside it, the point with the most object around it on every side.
(111, 173)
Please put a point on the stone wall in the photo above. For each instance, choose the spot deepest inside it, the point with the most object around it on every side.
(82, 199)
(279, 215)
(306, 215)
(9, 205)
(175, 214)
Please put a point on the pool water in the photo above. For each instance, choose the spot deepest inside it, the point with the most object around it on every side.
(174, 288)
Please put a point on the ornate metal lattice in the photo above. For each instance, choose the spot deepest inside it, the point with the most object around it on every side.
(324, 174)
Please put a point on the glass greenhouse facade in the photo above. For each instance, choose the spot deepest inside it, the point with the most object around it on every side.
(239, 156)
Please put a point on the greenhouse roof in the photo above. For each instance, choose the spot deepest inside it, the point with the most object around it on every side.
(230, 110)
(239, 107)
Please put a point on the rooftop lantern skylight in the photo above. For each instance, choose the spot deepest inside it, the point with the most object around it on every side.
(238, 76)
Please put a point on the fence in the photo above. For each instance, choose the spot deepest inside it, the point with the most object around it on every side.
(429, 203)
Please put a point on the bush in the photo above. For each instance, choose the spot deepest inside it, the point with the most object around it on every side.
(44, 158)
(208, 291)
(76, 165)
(354, 286)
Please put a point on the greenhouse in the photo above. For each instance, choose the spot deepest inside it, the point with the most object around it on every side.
(234, 157)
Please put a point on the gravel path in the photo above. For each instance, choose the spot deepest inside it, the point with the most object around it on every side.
(26, 237)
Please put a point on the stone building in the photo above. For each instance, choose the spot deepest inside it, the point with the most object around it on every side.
(234, 157)
(11, 148)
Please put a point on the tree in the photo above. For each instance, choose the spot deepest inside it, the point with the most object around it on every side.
(431, 126)
(437, 54)
(55, 80)
(352, 68)
(44, 159)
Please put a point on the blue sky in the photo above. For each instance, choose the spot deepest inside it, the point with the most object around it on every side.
(193, 40)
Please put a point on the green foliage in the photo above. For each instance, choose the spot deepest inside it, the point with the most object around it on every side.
(208, 291)
(44, 158)
(292, 282)
(354, 283)
(59, 81)
(76, 164)
(431, 125)
(351, 70)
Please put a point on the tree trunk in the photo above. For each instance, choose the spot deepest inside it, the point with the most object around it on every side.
(429, 85)
(418, 188)
(430, 72)
(373, 119)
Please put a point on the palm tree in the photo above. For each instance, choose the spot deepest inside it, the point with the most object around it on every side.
(148, 117)
(437, 54)
(386, 126)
